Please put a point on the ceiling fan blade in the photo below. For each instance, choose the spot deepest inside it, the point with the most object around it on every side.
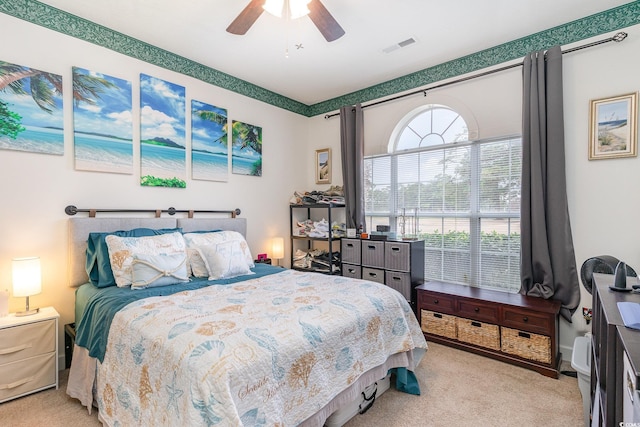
(327, 25)
(246, 18)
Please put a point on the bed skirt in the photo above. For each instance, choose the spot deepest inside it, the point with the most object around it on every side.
(82, 374)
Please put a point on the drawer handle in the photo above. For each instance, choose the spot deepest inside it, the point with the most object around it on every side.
(349, 245)
(373, 275)
(395, 248)
(396, 278)
(438, 315)
(524, 335)
(525, 319)
(351, 270)
(477, 309)
(435, 301)
(15, 349)
(16, 384)
(476, 324)
(371, 247)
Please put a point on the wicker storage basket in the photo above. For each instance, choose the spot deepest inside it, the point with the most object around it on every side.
(527, 345)
(438, 324)
(478, 333)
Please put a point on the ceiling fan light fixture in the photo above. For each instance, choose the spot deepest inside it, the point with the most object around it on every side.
(291, 9)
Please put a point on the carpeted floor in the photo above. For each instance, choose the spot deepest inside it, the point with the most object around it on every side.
(458, 389)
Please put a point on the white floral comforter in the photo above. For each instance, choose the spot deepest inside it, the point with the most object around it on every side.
(270, 351)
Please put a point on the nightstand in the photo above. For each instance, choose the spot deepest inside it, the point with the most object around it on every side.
(28, 353)
(262, 261)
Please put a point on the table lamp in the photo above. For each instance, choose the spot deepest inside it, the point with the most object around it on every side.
(277, 249)
(26, 281)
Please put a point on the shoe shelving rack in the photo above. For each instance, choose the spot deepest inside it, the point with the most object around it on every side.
(331, 244)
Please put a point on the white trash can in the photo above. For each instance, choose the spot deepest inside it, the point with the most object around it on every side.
(581, 362)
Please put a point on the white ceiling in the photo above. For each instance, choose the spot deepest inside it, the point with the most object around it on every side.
(444, 30)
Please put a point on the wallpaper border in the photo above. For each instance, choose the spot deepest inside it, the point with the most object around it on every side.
(55, 19)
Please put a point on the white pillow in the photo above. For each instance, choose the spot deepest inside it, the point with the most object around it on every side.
(158, 270)
(224, 260)
(196, 263)
(123, 249)
(197, 240)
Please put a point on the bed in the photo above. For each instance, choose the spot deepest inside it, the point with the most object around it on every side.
(268, 346)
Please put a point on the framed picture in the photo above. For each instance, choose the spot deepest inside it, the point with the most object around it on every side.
(323, 166)
(612, 131)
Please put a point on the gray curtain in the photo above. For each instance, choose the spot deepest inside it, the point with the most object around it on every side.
(352, 151)
(548, 266)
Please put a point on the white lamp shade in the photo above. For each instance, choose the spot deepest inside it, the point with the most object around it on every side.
(277, 247)
(27, 278)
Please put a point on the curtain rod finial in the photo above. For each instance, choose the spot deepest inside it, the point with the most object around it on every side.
(620, 36)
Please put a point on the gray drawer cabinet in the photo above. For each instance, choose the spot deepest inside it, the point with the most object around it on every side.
(398, 264)
(28, 353)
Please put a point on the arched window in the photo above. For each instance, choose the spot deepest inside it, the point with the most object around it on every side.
(461, 197)
(429, 126)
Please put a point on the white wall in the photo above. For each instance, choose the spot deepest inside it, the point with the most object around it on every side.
(595, 188)
(36, 188)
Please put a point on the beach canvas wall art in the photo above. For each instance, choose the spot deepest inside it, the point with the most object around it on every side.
(246, 150)
(31, 115)
(102, 123)
(209, 150)
(162, 133)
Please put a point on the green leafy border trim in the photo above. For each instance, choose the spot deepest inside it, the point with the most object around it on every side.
(55, 19)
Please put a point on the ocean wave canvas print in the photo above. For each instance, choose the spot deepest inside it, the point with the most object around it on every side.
(209, 151)
(162, 133)
(102, 123)
(31, 114)
(246, 150)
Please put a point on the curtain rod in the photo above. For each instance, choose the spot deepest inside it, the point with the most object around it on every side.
(618, 37)
(72, 210)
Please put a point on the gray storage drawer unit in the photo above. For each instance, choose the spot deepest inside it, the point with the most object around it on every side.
(350, 251)
(351, 270)
(397, 256)
(373, 253)
(397, 263)
(400, 281)
(373, 274)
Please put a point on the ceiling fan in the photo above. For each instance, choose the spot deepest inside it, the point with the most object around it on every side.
(319, 14)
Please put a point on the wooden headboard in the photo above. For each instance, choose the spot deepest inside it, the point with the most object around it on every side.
(79, 229)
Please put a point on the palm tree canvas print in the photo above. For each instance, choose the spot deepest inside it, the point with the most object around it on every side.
(102, 125)
(31, 115)
(246, 149)
(209, 151)
(162, 133)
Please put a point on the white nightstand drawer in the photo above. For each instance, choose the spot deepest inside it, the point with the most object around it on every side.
(28, 340)
(27, 375)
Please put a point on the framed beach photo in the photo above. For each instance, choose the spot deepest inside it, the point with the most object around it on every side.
(323, 166)
(613, 127)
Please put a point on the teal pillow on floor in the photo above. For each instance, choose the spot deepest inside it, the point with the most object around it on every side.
(406, 381)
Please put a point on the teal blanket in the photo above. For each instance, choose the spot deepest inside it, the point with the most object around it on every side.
(92, 329)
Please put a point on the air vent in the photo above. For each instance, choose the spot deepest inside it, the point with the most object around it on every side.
(397, 46)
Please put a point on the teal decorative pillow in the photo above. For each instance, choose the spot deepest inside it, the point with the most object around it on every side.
(98, 264)
(158, 270)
